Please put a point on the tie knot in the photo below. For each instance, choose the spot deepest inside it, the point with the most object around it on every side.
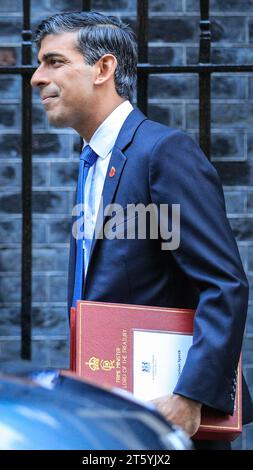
(88, 156)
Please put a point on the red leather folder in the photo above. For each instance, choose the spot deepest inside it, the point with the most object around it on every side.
(101, 350)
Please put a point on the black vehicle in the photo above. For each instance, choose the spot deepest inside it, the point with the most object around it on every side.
(45, 409)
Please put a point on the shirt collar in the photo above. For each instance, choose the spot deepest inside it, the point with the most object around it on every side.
(106, 134)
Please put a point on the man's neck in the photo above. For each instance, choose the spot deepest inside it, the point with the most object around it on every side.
(90, 129)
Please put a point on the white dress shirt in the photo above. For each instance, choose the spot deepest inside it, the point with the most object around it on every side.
(102, 143)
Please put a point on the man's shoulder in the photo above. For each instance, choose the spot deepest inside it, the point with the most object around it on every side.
(145, 132)
(155, 131)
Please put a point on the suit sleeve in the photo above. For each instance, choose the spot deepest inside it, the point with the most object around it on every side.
(181, 174)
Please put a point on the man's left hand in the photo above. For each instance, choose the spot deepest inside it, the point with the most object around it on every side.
(181, 411)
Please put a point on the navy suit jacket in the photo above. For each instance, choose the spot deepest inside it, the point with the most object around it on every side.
(160, 165)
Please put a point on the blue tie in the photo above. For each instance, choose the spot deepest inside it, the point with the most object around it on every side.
(87, 159)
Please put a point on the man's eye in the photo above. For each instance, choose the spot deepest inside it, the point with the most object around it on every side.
(55, 62)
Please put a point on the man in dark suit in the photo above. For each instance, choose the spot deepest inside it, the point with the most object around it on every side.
(86, 77)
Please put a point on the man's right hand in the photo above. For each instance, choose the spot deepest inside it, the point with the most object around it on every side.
(181, 411)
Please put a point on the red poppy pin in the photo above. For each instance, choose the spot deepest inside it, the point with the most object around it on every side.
(112, 172)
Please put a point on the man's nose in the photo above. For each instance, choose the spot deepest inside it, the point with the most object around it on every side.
(39, 78)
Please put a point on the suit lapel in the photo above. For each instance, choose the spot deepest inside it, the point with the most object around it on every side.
(117, 162)
(116, 165)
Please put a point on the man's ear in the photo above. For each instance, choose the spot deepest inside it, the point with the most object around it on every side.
(105, 68)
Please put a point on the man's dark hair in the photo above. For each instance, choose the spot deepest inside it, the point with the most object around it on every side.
(98, 35)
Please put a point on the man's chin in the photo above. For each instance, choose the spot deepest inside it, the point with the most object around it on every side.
(57, 121)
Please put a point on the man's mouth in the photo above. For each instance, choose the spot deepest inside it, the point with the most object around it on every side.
(48, 99)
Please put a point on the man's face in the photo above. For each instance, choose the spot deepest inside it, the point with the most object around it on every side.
(65, 81)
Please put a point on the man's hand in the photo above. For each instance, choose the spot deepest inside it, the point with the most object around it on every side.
(181, 411)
